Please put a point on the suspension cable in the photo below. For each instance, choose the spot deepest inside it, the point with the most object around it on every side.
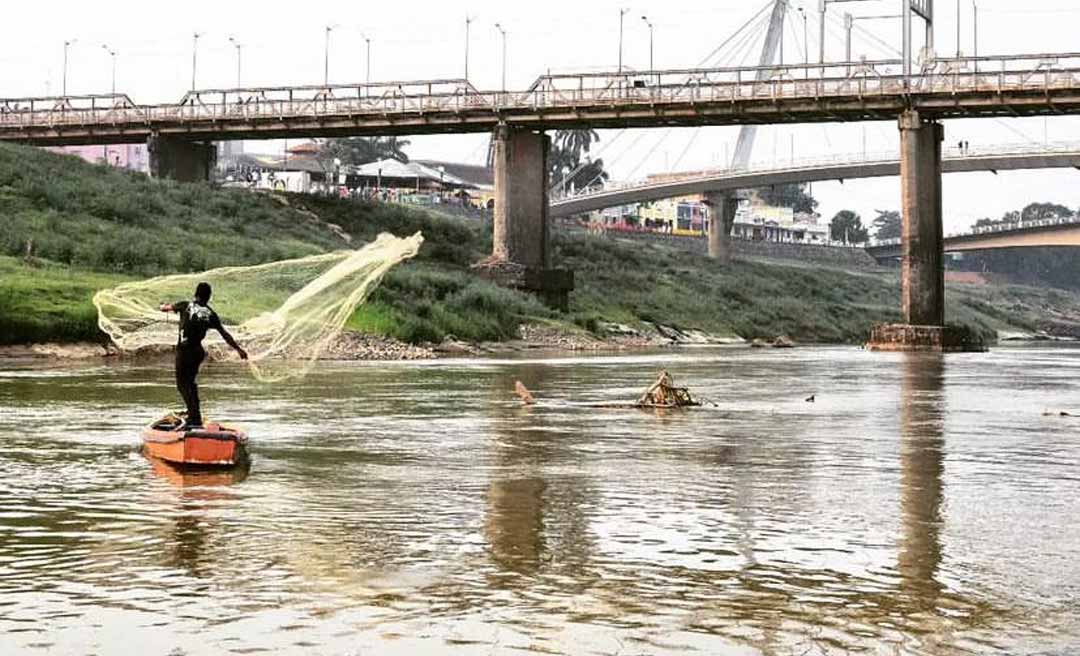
(768, 5)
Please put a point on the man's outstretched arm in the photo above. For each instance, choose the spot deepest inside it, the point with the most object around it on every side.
(230, 341)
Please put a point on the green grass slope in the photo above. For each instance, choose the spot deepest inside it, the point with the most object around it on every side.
(91, 227)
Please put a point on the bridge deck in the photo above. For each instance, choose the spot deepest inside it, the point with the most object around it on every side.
(968, 87)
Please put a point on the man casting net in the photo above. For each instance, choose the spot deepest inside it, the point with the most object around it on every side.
(285, 313)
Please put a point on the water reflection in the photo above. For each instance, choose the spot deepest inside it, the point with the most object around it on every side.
(197, 490)
(922, 426)
(532, 516)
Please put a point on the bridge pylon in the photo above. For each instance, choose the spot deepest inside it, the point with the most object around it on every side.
(521, 232)
(722, 206)
(922, 250)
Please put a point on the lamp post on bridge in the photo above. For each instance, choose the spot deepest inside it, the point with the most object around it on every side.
(649, 23)
(326, 56)
(975, 28)
(367, 57)
(499, 27)
(194, 56)
(622, 13)
(958, 29)
(112, 54)
(239, 47)
(468, 22)
(63, 79)
(805, 45)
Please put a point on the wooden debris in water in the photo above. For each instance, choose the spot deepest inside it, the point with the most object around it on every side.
(523, 393)
(664, 394)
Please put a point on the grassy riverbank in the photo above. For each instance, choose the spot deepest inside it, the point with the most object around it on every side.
(90, 227)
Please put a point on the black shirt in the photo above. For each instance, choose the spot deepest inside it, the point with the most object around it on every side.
(195, 320)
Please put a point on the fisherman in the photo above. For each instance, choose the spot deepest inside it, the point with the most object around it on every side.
(196, 318)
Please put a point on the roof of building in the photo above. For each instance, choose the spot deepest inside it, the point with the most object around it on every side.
(305, 148)
(279, 163)
(391, 168)
(480, 176)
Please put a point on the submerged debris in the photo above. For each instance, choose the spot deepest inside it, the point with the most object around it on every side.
(661, 394)
(523, 393)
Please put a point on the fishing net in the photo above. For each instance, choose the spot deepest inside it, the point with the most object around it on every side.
(285, 314)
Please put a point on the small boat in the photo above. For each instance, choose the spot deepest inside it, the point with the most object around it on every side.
(212, 445)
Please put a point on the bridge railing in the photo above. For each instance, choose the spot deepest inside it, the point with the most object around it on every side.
(376, 101)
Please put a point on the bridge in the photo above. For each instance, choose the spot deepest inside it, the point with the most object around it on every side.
(1020, 85)
(1040, 232)
(1004, 157)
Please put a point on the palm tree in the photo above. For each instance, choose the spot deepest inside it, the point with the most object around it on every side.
(356, 151)
(565, 159)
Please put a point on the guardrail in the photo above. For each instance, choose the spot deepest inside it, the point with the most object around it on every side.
(863, 79)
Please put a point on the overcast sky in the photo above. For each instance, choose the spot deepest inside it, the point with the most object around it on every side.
(283, 43)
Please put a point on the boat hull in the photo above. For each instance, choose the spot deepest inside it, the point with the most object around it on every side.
(208, 446)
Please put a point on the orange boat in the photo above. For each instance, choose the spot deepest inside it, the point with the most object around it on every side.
(212, 445)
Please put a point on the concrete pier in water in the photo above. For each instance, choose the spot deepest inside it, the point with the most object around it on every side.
(922, 272)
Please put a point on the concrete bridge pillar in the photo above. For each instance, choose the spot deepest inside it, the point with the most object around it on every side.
(722, 206)
(179, 159)
(521, 239)
(922, 249)
(922, 276)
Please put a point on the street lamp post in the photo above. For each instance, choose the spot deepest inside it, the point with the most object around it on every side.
(503, 32)
(194, 56)
(367, 57)
(805, 46)
(958, 29)
(468, 22)
(622, 13)
(112, 54)
(975, 26)
(63, 79)
(326, 56)
(649, 23)
(239, 46)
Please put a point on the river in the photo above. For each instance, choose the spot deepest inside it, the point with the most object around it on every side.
(919, 505)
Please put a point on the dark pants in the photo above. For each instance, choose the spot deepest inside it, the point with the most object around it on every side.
(188, 361)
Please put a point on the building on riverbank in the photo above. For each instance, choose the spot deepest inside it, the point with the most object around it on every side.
(759, 222)
(133, 157)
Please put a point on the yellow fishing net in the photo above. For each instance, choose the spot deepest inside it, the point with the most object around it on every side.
(285, 314)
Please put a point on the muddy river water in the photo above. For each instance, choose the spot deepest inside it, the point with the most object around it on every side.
(919, 505)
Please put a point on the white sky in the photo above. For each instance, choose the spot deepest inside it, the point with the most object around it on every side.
(284, 44)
